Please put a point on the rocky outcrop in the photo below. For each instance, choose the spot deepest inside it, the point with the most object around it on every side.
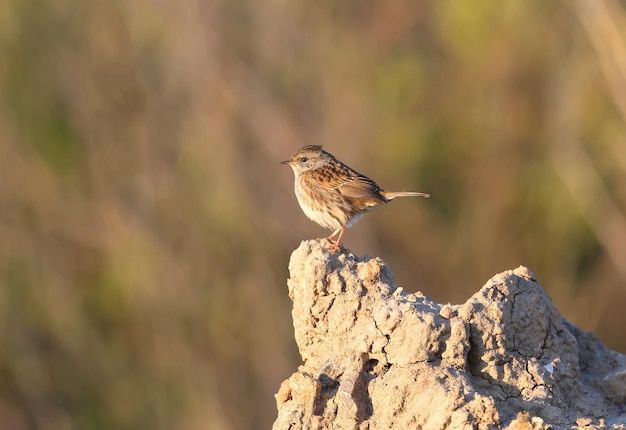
(375, 357)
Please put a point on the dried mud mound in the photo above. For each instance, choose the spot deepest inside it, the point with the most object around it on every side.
(377, 358)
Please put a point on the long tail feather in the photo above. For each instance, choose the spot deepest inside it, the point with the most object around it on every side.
(390, 195)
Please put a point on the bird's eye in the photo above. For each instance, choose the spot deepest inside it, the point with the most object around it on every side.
(304, 159)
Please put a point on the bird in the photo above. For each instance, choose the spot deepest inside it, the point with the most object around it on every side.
(333, 194)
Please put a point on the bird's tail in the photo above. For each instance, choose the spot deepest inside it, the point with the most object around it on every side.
(390, 195)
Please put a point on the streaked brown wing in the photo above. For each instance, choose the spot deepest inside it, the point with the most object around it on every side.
(347, 181)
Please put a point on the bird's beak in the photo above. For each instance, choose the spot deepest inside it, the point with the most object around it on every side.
(285, 162)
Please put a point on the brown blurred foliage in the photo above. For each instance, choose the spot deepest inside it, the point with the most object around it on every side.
(146, 224)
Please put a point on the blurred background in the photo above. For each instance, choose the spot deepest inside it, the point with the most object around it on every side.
(146, 225)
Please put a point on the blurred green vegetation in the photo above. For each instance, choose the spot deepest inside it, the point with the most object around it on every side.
(146, 224)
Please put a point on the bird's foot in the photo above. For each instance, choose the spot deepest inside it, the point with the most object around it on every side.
(334, 246)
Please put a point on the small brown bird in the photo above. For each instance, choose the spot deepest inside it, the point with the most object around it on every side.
(332, 194)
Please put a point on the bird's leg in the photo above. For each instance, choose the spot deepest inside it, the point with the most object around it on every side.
(334, 233)
(330, 238)
(338, 242)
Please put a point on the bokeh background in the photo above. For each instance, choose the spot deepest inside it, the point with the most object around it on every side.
(146, 225)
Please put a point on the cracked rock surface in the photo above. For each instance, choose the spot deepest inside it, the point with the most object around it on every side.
(377, 358)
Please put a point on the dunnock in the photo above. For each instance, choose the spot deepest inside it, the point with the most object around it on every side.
(332, 194)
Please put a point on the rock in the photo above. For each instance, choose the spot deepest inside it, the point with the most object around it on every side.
(375, 357)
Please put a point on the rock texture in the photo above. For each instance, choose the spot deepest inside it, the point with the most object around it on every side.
(377, 358)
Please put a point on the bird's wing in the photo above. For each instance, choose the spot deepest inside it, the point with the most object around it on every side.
(347, 181)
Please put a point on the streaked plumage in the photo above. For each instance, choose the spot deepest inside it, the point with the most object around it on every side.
(332, 194)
